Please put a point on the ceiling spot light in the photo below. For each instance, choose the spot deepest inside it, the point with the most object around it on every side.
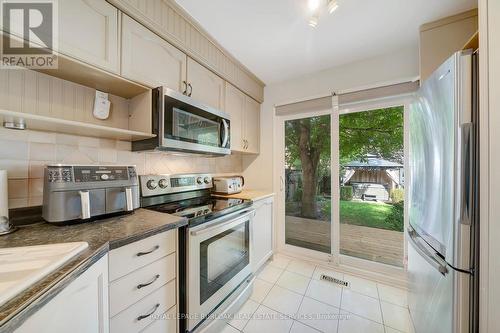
(332, 6)
(313, 21)
(313, 5)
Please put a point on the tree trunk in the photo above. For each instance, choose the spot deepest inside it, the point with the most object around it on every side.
(309, 157)
(309, 204)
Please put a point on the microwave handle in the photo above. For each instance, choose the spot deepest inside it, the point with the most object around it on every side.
(85, 204)
(128, 197)
(226, 133)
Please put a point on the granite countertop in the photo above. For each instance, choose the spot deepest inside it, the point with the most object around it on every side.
(253, 195)
(102, 236)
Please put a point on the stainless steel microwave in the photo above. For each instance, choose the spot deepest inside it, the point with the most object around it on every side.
(182, 124)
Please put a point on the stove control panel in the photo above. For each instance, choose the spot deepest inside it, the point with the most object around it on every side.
(152, 185)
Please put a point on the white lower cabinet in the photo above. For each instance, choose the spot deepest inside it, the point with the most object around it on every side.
(262, 227)
(143, 285)
(81, 307)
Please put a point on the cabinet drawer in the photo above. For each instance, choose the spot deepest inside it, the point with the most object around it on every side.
(130, 257)
(166, 324)
(138, 316)
(132, 287)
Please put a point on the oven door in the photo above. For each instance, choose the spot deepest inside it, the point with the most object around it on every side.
(189, 126)
(218, 262)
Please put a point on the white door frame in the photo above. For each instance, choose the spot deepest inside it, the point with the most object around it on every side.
(280, 171)
(344, 262)
(349, 261)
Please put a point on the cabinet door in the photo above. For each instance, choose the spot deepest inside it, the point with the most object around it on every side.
(262, 232)
(251, 125)
(81, 307)
(235, 106)
(206, 87)
(149, 59)
(88, 31)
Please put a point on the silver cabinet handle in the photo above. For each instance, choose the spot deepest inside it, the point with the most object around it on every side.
(140, 254)
(185, 87)
(142, 285)
(85, 204)
(141, 317)
(128, 196)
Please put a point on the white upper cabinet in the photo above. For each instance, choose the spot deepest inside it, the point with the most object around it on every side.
(235, 106)
(245, 120)
(149, 59)
(88, 31)
(252, 125)
(205, 86)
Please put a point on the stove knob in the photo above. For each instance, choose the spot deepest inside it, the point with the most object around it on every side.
(163, 183)
(152, 184)
(206, 180)
(199, 180)
(104, 177)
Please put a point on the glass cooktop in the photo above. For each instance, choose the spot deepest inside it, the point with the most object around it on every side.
(203, 209)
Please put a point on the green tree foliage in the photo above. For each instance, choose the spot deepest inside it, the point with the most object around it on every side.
(396, 218)
(378, 132)
(346, 193)
(308, 143)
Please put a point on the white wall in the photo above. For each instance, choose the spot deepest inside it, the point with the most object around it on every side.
(489, 266)
(393, 67)
(25, 153)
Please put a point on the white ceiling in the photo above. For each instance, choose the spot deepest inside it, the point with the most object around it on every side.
(273, 39)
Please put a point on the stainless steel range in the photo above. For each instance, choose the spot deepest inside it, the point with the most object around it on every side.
(215, 248)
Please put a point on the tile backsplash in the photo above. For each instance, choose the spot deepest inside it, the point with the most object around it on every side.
(25, 153)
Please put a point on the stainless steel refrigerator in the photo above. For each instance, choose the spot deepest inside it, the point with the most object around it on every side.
(443, 223)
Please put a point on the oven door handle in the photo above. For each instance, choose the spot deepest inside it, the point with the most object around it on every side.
(223, 223)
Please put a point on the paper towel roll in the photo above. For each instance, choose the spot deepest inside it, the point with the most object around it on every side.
(4, 194)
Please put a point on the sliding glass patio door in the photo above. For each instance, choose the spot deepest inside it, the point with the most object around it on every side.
(341, 185)
(307, 182)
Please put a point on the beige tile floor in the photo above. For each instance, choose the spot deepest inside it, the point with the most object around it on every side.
(288, 297)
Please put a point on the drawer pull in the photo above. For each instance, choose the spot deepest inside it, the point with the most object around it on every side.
(149, 314)
(140, 254)
(142, 285)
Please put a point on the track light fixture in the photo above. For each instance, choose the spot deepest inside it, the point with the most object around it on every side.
(315, 7)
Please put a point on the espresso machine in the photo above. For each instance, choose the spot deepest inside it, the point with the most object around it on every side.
(80, 193)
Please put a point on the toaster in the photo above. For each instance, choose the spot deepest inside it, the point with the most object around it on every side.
(228, 185)
(79, 193)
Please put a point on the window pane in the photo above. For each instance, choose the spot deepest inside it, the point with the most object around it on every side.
(372, 185)
(307, 185)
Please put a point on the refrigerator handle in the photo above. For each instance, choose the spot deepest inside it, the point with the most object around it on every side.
(466, 173)
(425, 253)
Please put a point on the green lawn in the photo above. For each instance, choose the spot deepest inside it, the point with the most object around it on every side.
(368, 214)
